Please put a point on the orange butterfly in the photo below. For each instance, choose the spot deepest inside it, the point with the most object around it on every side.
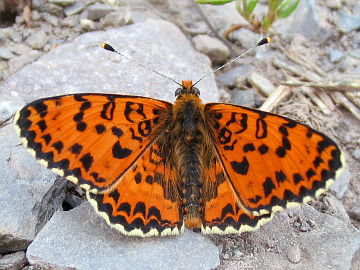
(150, 167)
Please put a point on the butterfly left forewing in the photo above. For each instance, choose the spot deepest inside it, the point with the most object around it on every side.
(271, 161)
(91, 139)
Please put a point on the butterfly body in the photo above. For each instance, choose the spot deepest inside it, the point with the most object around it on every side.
(150, 167)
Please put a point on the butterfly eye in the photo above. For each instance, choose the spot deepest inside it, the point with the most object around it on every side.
(196, 91)
(178, 92)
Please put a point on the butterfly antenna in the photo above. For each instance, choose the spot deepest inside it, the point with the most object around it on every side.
(261, 42)
(111, 49)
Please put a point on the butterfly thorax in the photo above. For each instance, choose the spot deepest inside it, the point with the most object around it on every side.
(187, 131)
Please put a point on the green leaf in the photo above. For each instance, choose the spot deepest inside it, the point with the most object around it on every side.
(287, 8)
(274, 4)
(214, 2)
(249, 8)
(265, 24)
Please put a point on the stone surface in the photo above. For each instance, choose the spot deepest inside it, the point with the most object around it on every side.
(63, 3)
(6, 53)
(329, 243)
(76, 8)
(13, 261)
(70, 21)
(37, 40)
(230, 77)
(347, 22)
(243, 97)
(80, 240)
(97, 11)
(18, 62)
(29, 193)
(264, 85)
(117, 18)
(340, 186)
(212, 47)
(83, 66)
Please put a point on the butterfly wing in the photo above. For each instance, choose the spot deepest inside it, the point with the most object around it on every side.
(146, 202)
(271, 161)
(222, 213)
(91, 139)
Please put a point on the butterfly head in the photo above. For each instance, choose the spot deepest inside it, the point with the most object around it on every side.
(187, 89)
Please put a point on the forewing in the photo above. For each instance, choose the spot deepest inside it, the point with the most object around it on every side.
(91, 139)
(271, 161)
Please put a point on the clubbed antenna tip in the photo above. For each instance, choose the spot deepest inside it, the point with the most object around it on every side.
(107, 47)
(264, 41)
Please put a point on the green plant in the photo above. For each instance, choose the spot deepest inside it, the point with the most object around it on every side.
(276, 9)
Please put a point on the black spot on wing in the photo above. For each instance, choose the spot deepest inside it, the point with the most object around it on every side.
(76, 148)
(100, 128)
(87, 160)
(58, 146)
(268, 186)
(241, 167)
(119, 152)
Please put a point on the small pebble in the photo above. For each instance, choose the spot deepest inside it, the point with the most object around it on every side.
(238, 255)
(294, 254)
(264, 85)
(217, 51)
(13, 261)
(6, 53)
(356, 153)
(37, 40)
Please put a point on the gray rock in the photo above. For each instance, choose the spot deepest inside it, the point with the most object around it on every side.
(243, 97)
(354, 212)
(217, 51)
(264, 85)
(340, 186)
(62, 3)
(355, 262)
(79, 239)
(117, 18)
(71, 21)
(245, 37)
(305, 20)
(330, 244)
(16, 37)
(6, 53)
(294, 254)
(356, 153)
(87, 24)
(53, 20)
(13, 261)
(157, 44)
(97, 11)
(30, 193)
(355, 53)
(76, 8)
(18, 62)
(334, 4)
(51, 8)
(347, 22)
(37, 40)
(336, 55)
(35, 15)
(37, 3)
(229, 77)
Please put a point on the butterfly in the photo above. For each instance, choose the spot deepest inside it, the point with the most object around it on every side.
(150, 167)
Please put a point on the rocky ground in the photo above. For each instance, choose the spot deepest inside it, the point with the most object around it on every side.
(53, 48)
